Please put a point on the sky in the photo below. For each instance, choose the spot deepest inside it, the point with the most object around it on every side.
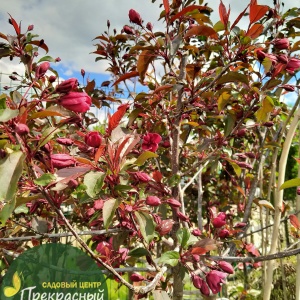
(69, 27)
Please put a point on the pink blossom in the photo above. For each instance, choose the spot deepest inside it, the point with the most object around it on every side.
(76, 101)
(214, 279)
(151, 141)
(41, 70)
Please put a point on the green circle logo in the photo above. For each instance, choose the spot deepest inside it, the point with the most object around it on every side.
(53, 271)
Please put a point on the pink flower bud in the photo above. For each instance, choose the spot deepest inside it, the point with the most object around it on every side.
(293, 65)
(22, 129)
(135, 17)
(76, 101)
(214, 279)
(52, 78)
(218, 222)
(282, 58)
(182, 217)
(149, 26)
(62, 160)
(136, 277)
(65, 141)
(164, 227)
(30, 27)
(224, 233)
(67, 85)
(281, 44)
(98, 204)
(57, 59)
(240, 225)
(128, 29)
(226, 267)
(196, 232)
(41, 70)
(197, 281)
(153, 201)
(288, 87)
(142, 176)
(173, 203)
(82, 72)
(93, 139)
(205, 289)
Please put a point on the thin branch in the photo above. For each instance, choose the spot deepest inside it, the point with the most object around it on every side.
(256, 258)
(57, 235)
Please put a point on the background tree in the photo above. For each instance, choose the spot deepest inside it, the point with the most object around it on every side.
(183, 169)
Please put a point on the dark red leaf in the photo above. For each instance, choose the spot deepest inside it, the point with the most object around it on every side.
(188, 9)
(114, 120)
(126, 76)
(167, 6)
(99, 152)
(202, 30)
(224, 15)
(255, 31)
(40, 44)
(15, 25)
(239, 17)
(257, 12)
(294, 221)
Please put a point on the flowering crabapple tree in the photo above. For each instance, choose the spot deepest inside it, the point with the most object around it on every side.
(181, 170)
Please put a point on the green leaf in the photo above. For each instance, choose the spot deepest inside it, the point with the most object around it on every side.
(22, 209)
(17, 97)
(7, 211)
(11, 168)
(47, 58)
(144, 156)
(236, 167)
(170, 257)
(183, 235)
(174, 180)
(48, 135)
(230, 120)
(109, 209)
(93, 182)
(223, 100)
(290, 183)
(138, 252)
(266, 107)
(146, 225)
(233, 77)
(45, 179)
(8, 114)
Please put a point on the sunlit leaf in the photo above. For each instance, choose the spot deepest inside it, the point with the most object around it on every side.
(170, 257)
(138, 252)
(144, 59)
(188, 9)
(201, 30)
(294, 221)
(45, 179)
(8, 114)
(223, 100)
(48, 135)
(146, 225)
(233, 77)
(183, 235)
(144, 156)
(266, 204)
(94, 182)
(257, 12)
(290, 183)
(109, 209)
(126, 76)
(255, 30)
